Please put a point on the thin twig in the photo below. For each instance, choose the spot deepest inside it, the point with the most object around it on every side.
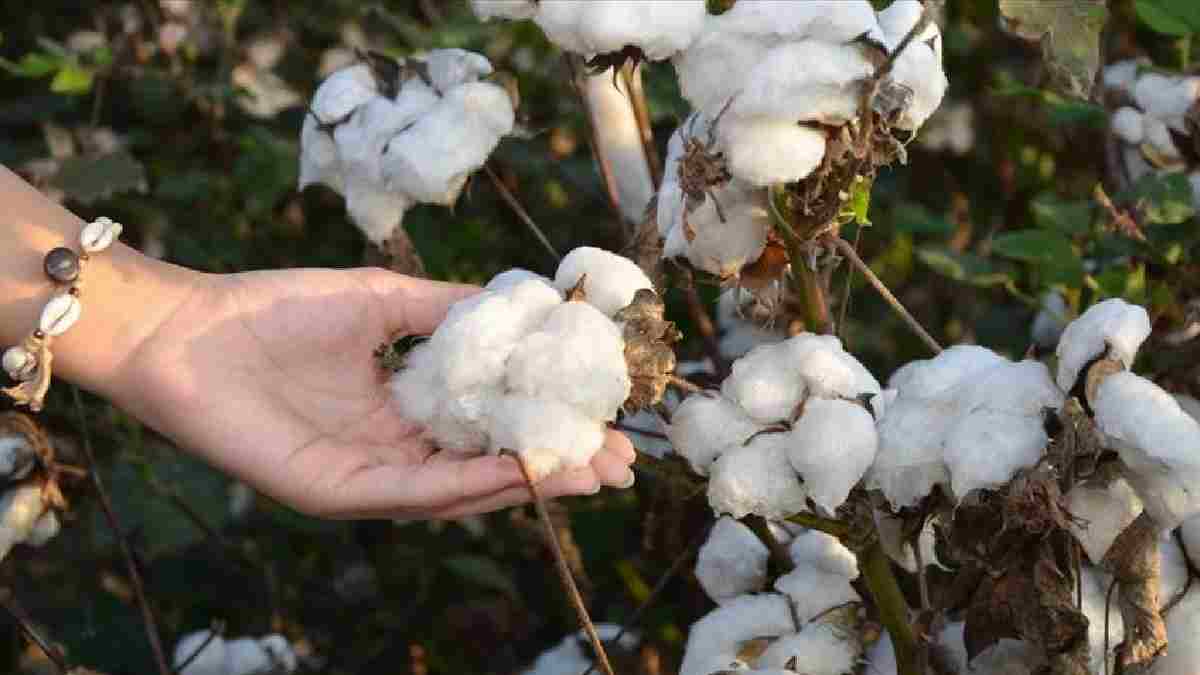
(778, 551)
(139, 589)
(25, 622)
(916, 327)
(217, 630)
(521, 212)
(704, 322)
(845, 308)
(564, 571)
(641, 111)
(658, 589)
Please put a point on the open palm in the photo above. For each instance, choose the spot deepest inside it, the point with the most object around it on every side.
(269, 375)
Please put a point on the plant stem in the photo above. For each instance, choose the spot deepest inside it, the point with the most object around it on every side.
(515, 205)
(847, 250)
(26, 625)
(876, 570)
(641, 110)
(564, 571)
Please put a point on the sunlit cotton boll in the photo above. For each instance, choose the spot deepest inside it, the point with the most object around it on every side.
(1113, 325)
(729, 230)
(805, 81)
(919, 67)
(763, 151)
(610, 282)
(822, 648)
(715, 641)
(756, 479)
(660, 28)
(732, 562)
(705, 425)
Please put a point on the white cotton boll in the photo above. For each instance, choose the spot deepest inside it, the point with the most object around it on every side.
(432, 159)
(548, 434)
(1050, 320)
(732, 562)
(814, 592)
(17, 457)
(1183, 625)
(21, 508)
(319, 162)
(210, 661)
(568, 656)
(715, 640)
(1165, 97)
(954, 364)
(1023, 388)
(1135, 163)
(756, 479)
(1102, 513)
(919, 68)
(342, 92)
(1157, 441)
(654, 442)
(724, 247)
(829, 371)
(832, 446)
(476, 338)
(510, 278)
(375, 210)
(1128, 125)
(833, 21)
(1006, 657)
(612, 280)
(806, 81)
(821, 648)
(515, 10)
(1121, 75)
(245, 656)
(910, 458)
(281, 652)
(1113, 325)
(704, 426)
(1173, 569)
(459, 422)
(1095, 590)
(823, 552)
(881, 402)
(448, 68)
(669, 213)
(415, 388)
(1158, 137)
(578, 358)
(764, 151)
(714, 68)
(765, 390)
(659, 28)
(618, 138)
(985, 448)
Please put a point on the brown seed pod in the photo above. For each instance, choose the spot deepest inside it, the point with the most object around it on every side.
(649, 355)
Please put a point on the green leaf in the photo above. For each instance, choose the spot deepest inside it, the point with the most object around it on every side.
(1122, 281)
(1069, 31)
(860, 201)
(1068, 217)
(89, 178)
(72, 80)
(484, 572)
(32, 65)
(911, 217)
(1163, 199)
(1035, 246)
(967, 268)
(1170, 17)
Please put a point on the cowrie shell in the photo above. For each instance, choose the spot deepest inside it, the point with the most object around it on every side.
(60, 314)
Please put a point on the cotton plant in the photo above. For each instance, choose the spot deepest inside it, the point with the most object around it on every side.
(30, 498)
(205, 653)
(389, 134)
(1154, 117)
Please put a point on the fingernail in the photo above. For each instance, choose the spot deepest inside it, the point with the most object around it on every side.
(629, 479)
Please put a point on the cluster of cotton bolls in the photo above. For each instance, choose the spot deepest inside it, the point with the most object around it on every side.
(789, 427)
(523, 367)
(25, 515)
(1157, 120)
(391, 134)
(810, 616)
(774, 86)
(204, 653)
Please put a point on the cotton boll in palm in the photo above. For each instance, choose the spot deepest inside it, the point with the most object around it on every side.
(910, 460)
(756, 479)
(1128, 125)
(722, 247)
(431, 160)
(516, 10)
(805, 81)
(763, 151)
(1157, 441)
(714, 641)
(460, 420)
(832, 21)
(704, 426)
(448, 68)
(209, 661)
(832, 446)
(578, 358)
(954, 364)
(476, 338)
(767, 392)
(416, 389)
(1113, 325)
(821, 648)
(611, 280)
(823, 552)
(1102, 512)
(985, 448)
(732, 562)
(548, 434)
(814, 592)
(714, 67)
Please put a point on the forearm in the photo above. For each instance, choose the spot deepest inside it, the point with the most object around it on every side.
(125, 295)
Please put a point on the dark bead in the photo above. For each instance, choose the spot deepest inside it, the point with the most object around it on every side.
(62, 265)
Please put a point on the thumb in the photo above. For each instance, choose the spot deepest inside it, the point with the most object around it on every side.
(414, 306)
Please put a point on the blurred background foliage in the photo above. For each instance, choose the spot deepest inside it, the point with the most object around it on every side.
(181, 119)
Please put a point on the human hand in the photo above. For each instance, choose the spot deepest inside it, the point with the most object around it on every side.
(270, 376)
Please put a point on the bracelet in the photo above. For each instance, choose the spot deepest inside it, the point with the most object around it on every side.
(29, 363)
